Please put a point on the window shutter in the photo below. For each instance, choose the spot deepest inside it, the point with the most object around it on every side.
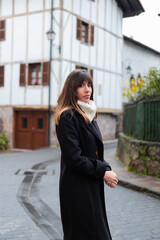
(86, 33)
(92, 35)
(1, 76)
(22, 81)
(79, 29)
(2, 30)
(30, 74)
(78, 67)
(91, 73)
(45, 74)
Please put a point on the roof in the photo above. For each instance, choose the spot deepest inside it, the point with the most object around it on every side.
(130, 8)
(140, 44)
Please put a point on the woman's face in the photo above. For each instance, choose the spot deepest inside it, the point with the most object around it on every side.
(84, 92)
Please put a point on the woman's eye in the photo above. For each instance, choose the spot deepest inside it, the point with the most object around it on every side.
(89, 85)
(81, 85)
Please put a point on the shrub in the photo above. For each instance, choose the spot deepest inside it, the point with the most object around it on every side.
(4, 141)
(152, 83)
(134, 88)
(148, 86)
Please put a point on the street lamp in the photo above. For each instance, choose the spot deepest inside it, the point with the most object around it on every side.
(51, 34)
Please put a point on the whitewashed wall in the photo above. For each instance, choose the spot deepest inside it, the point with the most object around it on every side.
(139, 59)
(105, 57)
(5, 91)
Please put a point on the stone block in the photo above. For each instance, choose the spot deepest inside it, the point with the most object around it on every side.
(153, 168)
(138, 165)
(152, 150)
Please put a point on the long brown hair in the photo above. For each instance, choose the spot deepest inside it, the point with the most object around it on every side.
(68, 97)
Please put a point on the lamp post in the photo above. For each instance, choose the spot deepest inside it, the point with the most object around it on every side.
(51, 37)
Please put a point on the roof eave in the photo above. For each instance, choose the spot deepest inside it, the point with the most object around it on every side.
(130, 8)
(132, 14)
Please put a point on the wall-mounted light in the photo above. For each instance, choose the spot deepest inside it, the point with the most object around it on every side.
(129, 69)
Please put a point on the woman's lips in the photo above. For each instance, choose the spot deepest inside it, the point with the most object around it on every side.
(87, 96)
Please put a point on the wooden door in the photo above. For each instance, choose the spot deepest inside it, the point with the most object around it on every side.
(31, 129)
(39, 129)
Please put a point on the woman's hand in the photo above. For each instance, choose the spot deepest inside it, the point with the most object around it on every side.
(110, 178)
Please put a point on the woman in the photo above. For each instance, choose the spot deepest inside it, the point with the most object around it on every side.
(83, 169)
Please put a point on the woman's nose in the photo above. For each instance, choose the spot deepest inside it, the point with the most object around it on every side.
(87, 88)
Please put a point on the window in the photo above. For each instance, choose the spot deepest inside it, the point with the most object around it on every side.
(90, 71)
(24, 122)
(38, 74)
(40, 123)
(2, 30)
(85, 32)
(35, 74)
(1, 76)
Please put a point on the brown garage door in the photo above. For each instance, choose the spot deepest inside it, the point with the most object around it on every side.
(31, 129)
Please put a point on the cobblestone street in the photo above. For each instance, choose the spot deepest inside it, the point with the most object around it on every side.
(132, 215)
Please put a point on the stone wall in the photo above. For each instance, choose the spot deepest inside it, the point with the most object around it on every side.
(107, 125)
(6, 122)
(53, 136)
(119, 124)
(139, 156)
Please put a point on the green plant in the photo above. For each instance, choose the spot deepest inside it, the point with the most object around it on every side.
(134, 88)
(148, 86)
(143, 150)
(4, 141)
(57, 145)
(152, 82)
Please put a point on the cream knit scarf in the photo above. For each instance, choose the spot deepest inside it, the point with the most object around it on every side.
(89, 108)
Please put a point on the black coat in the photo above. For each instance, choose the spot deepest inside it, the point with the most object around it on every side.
(81, 180)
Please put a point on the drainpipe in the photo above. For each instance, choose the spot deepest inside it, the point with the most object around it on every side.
(49, 86)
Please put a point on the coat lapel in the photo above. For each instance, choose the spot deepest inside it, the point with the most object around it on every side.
(93, 127)
(97, 129)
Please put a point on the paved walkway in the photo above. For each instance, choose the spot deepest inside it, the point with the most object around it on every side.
(30, 203)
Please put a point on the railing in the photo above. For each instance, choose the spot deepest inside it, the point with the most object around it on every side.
(142, 119)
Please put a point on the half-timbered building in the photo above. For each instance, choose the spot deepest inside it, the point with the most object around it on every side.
(88, 35)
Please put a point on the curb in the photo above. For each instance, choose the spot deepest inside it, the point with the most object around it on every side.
(137, 188)
(110, 144)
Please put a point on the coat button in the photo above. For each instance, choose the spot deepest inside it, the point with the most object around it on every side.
(96, 153)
